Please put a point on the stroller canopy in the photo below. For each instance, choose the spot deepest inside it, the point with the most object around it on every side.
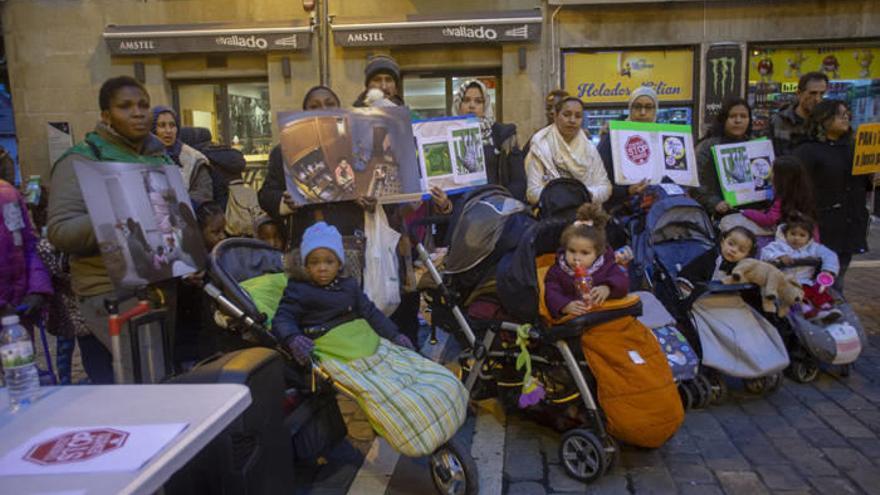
(235, 260)
(679, 231)
(479, 227)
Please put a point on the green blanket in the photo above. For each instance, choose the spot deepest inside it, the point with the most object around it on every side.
(352, 340)
(266, 291)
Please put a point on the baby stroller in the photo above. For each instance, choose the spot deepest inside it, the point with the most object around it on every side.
(675, 231)
(236, 261)
(812, 343)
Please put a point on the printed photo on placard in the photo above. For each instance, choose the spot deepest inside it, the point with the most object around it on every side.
(653, 152)
(674, 152)
(745, 171)
(450, 152)
(143, 220)
(340, 155)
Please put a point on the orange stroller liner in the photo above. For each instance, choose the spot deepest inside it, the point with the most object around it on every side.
(635, 385)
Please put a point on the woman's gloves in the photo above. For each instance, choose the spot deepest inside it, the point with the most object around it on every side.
(301, 347)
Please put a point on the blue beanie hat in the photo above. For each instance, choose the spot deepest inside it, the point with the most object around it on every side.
(321, 235)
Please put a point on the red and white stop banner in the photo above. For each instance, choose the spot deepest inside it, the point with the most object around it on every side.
(76, 446)
(637, 150)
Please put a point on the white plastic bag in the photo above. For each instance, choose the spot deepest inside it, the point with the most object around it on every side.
(381, 279)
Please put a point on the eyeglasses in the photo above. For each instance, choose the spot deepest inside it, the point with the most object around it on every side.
(844, 115)
(643, 108)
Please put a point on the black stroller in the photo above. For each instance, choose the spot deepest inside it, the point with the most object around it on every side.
(233, 261)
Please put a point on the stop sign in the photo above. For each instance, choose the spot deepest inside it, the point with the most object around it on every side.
(76, 445)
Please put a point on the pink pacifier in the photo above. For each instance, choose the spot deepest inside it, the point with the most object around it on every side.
(824, 280)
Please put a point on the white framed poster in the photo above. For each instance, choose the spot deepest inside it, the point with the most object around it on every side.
(653, 151)
(744, 171)
(450, 153)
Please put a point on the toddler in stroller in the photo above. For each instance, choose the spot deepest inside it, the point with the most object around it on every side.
(325, 319)
(825, 330)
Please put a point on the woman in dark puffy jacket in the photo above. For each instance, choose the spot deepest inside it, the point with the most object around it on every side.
(840, 196)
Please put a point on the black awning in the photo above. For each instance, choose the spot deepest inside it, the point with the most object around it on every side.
(206, 38)
(521, 26)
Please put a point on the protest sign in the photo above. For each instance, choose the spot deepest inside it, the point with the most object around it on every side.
(744, 171)
(653, 151)
(450, 153)
(867, 156)
(340, 155)
(143, 220)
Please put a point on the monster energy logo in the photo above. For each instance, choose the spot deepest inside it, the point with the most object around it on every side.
(722, 74)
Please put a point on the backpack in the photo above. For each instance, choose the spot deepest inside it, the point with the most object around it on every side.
(227, 164)
(242, 209)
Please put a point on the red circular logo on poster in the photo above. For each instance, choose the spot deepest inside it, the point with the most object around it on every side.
(76, 446)
(637, 150)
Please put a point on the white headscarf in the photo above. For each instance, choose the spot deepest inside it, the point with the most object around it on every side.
(488, 117)
(642, 91)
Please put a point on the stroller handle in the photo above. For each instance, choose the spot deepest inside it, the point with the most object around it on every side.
(813, 262)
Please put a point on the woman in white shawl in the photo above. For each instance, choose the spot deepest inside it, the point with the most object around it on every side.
(563, 150)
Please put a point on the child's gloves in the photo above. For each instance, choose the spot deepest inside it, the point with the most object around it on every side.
(403, 341)
(301, 347)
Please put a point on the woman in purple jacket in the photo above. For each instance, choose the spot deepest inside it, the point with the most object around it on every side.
(23, 278)
(584, 249)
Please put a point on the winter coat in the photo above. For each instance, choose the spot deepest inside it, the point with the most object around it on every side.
(619, 193)
(305, 305)
(560, 287)
(550, 157)
(505, 162)
(21, 270)
(196, 174)
(706, 267)
(70, 228)
(804, 274)
(787, 130)
(771, 217)
(840, 196)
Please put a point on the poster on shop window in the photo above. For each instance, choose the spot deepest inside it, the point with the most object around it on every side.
(744, 171)
(341, 155)
(450, 153)
(143, 221)
(654, 152)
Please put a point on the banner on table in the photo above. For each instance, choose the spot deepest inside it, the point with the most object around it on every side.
(867, 156)
(653, 151)
(744, 171)
(340, 155)
(143, 220)
(450, 152)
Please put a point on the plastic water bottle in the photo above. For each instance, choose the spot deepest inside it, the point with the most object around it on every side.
(584, 284)
(32, 190)
(19, 363)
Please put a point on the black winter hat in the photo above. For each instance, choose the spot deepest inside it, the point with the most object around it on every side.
(382, 63)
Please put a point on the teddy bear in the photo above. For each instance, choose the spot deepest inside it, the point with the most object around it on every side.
(778, 290)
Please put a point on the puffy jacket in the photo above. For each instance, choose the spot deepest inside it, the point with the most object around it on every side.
(21, 270)
(787, 130)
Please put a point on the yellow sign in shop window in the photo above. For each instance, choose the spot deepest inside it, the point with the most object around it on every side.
(610, 77)
(786, 65)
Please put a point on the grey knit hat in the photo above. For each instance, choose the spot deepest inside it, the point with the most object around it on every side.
(381, 63)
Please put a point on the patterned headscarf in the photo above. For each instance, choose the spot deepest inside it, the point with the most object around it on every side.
(488, 117)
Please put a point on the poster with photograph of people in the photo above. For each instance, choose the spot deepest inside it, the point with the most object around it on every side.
(654, 152)
(143, 220)
(450, 153)
(340, 155)
(744, 171)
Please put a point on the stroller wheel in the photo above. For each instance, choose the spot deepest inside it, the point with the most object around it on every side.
(774, 381)
(717, 387)
(612, 453)
(583, 455)
(756, 386)
(687, 397)
(703, 388)
(803, 371)
(453, 470)
(845, 370)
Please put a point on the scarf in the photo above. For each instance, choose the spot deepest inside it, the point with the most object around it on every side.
(173, 151)
(560, 259)
(559, 158)
(488, 118)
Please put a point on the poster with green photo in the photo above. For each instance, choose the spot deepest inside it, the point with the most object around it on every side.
(745, 171)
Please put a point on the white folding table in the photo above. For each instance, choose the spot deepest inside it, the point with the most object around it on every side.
(208, 409)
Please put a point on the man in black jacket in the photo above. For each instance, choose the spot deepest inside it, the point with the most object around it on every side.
(788, 128)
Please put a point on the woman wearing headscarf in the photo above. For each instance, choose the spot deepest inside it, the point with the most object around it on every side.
(642, 107)
(194, 165)
(504, 159)
(563, 150)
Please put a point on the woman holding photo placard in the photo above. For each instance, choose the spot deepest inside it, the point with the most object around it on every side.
(732, 125)
(563, 150)
(840, 196)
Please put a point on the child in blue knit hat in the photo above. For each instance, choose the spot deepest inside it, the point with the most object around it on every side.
(318, 300)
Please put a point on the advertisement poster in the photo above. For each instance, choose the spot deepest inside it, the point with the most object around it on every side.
(340, 155)
(724, 71)
(450, 153)
(653, 152)
(744, 171)
(143, 220)
(787, 65)
(610, 76)
(867, 156)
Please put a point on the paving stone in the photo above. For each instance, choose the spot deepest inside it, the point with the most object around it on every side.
(807, 459)
(652, 480)
(723, 455)
(832, 486)
(688, 489)
(869, 418)
(761, 452)
(867, 446)
(680, 443)
(610, 484)
(850, 427)
(526, 488)
(782, 478)
(775, 426)
(741, 483)
(559, 481)
(846, 458)
(824, 437)
(792, 492)
(632, 457)
(759, 407)
(522, 460)
(868, 479)
(689, 471)
(801, 417)
(703, 426)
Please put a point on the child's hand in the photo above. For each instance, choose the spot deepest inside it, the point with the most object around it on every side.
(600, 294)
(301, 348)
(575, 308)
(786, 260)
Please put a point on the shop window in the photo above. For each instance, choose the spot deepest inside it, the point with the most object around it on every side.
(236, 112)
(851, 69)
(430, 95)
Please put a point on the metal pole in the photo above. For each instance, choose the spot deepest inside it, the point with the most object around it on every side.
(323, 41)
